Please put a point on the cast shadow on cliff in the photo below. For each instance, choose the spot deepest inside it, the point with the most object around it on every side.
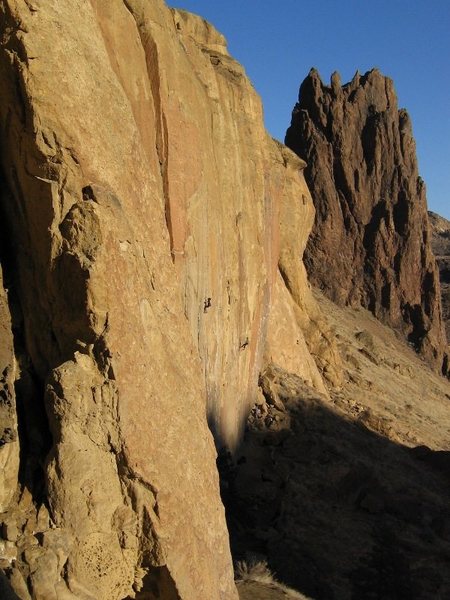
(337, 510)
(6, 592)
(28, 414)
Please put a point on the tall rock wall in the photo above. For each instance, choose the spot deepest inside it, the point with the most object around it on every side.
(370, 243)
(146, 215)
(299, 338)
(230, 207)
(113, 370)
(221, 218)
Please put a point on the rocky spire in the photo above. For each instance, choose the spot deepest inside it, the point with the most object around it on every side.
(370, 243)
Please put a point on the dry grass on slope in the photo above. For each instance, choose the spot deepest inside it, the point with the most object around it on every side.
(255, 581)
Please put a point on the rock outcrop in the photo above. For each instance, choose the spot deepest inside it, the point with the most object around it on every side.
(440, 242)
(105, 504)
(153, 232)
(370, 243)
(229, 219)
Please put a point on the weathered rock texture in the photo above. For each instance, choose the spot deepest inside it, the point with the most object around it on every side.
(298, 336)
(370, 243)
(229, 208)
(147, 222)
(440, 242)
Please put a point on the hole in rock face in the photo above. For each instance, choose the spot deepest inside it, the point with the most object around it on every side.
(369, 141)
(157, 584)
(34, 434)
(415, 316)
(88, 193)
(445, 275)
(446, 366)
(401, 213)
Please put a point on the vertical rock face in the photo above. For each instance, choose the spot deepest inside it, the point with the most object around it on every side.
(440, 242)
(131, 500)
(229, 208)
(220, 217)
(370, 242)
(298, 338)
(148, 218)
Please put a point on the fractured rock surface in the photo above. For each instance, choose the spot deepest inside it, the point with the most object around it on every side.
(370, 243)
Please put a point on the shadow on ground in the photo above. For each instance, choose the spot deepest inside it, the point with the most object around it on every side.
(338, 511)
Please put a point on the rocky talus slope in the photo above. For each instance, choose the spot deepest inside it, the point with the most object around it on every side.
(440, 241)
(348, 497)
(370, 243)
(151, 248)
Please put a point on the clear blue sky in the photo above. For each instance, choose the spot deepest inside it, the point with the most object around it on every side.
(408, 40)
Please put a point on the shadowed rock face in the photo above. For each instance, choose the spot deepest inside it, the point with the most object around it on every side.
(9, 444)
(370, 243)
(440, 242)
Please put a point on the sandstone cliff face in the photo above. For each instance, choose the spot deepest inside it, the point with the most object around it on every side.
(229, 222)
(147, 221)
(370, 243)
(440, 242)
(299, 338)
(225, 221)
(113, 370)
